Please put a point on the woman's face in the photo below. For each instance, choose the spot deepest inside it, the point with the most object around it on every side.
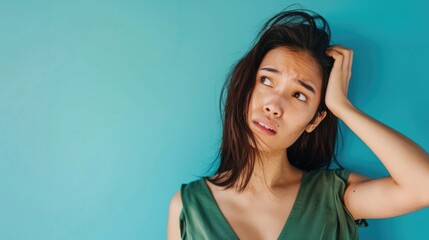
(285, 98)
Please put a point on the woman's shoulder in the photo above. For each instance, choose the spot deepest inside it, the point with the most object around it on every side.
(177, 203)
(192, 191)
(175, 208)
(192, 186)
(176, 200)
(324, 179)
(342, 173)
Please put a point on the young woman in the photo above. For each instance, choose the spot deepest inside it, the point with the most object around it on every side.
(284, 99)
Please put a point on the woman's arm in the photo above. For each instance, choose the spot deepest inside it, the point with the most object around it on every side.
(407, 188)
(173, 229)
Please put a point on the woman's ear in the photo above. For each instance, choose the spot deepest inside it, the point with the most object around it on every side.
(316, 122)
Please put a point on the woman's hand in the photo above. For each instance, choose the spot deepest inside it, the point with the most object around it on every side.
(336, 92)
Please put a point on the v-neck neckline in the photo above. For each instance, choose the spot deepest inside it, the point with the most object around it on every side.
(292, 214)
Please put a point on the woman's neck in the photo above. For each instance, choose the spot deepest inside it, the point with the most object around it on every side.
(273, 171)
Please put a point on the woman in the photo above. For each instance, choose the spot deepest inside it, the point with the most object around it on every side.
(280, 123)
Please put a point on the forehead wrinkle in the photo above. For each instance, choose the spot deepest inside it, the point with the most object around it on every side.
(298, 65)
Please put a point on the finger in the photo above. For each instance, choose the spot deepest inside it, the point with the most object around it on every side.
(339, 47)
(338, 57)
(351, 62)
(348, 58)
(349, 68)
(348, 62)
(346, 53)
(338, 63)
(346, 65)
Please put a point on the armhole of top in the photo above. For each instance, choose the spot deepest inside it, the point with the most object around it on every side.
(182, 216)
(345, 174)
(182, 222)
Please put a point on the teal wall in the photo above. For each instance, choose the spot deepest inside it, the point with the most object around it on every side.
(106, 107)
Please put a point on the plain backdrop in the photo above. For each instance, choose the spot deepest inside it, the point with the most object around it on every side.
(107, 107)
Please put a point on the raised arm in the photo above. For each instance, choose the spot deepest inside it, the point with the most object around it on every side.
(406, 189)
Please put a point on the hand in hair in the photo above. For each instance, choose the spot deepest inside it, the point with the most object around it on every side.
(336, 92)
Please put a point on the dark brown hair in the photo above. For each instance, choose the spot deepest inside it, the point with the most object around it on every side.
(299, 30)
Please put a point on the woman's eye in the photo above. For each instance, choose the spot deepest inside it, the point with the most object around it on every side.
(300, 96)
(266, 81)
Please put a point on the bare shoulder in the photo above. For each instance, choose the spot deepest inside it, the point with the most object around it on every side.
(176, 202)
(173, 228)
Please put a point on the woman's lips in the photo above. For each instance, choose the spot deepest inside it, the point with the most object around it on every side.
(264, 130)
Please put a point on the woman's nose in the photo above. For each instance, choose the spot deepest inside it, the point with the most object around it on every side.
(273, 109)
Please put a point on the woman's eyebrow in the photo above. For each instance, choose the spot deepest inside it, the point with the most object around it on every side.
(270, 70)
(306, 85)
(301, 82)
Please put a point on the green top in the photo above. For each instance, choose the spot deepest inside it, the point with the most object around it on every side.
(318, 211)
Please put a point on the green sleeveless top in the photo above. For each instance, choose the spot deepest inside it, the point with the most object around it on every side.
(317, 213)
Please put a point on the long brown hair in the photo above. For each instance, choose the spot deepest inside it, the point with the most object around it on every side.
(300, 30)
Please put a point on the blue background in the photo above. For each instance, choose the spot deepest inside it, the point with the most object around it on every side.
(106, 107)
